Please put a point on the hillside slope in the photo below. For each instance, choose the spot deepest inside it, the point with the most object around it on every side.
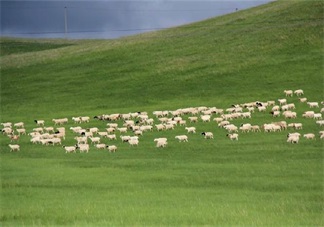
(256, 52)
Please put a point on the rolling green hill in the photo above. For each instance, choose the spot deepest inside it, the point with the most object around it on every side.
(250, 55)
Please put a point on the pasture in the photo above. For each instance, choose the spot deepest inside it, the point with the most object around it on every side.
(259, 180)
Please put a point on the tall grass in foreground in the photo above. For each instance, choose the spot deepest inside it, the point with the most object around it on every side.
(260, 180)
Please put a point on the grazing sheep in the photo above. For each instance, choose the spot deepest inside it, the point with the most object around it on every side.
(245, 127)
(208, 135)
(289, 114)
(19, 125)
(233, 136)
(85, 119)
(112, 148)
(81, 140)
(308, 114)
(288, 93)
(246, 115)
(275, 113)
(7, 131)
(205, 118)
(13, 137)
(293, 138)
(160, 127)
(191, 129)
(60, 121)
(313, 104)
(112, 125)
(299, 92)
(320, 122)
(103, 134)
(275, 108)
(7, 124)
(133, 142)
(255, 128)
(14, 147)
(76, 119)
(231, 128)
(95, 139)
(193, 119)
(21, 131)
(282, 101)
(84, 148)
(100, 146)
(160, 139)
(161, 143)
(182, 138)
(309, 136)
(125, 138)
(112, 137)
(317, 116)
(94, 130)
(70, 149)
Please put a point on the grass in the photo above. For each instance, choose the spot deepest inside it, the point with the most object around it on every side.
(260, 180)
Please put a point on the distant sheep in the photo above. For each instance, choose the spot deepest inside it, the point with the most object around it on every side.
(40, 122)
(233, 136)
(14, 147)
(7, 124)
(112, 148)
(282, 101)
(19, 125)
(313, 104)
(208, 135)
(288, 93)
(299, 92)
(70, 149)
(205, 118)
(309, 136)
(84, 148)
(60, 121)
(161, 143)
(182, 138)
(302, 99)
(191, 129)
(100, 146)
(133, 142)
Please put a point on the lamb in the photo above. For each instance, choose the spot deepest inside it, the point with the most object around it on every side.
(309, 136)
(14, 147)
(191, 129)
(233, 136)
(95, 139)
(182, 138)
(288, 93)
(84, 148)
(70, 149)
(313, 104)
(112, 148)
(208, 135)
(100, 146)
(299, 92)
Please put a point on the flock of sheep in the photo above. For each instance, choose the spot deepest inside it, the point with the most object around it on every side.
(131, 127)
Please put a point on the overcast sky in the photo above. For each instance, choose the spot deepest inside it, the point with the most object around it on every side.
(107, 19)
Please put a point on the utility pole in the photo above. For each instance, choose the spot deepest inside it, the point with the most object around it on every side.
(65, 22)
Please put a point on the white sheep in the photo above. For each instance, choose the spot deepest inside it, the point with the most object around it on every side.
(320, 122)
(161, 139)
(112, 148)
(308, 114)
(302, 99)
(317, 116)
(193, 119)
(299, 92)
(282, 101)
(112, 125)
(313, 104)
(112, 137)
(182, 138)
(233, 136)
(95, 139)
(84, 148)
(7, 124)
(19, 125)
(70, 149)
(60, 121)
(14, 147)
(293, 139)
(208, 135)
(85, 119)
(288, 92)
(133, 142)
(125, 138)
(191, 129)
(231, 128)
(39, 122)
(21, 131)
(81, 140)
(100, 146)
(76, 119)
(245, 127)
(122, 130)
(309, 136)
(160, 127)
(161, 144)
(205, 118)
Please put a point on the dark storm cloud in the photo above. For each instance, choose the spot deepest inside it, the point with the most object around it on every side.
(106, 19)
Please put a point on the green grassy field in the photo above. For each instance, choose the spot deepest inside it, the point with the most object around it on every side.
(259, 180)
